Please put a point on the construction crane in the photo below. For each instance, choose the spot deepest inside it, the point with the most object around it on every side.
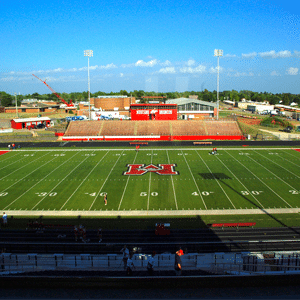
(71, 104)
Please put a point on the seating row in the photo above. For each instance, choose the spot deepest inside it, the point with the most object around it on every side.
(148, 128)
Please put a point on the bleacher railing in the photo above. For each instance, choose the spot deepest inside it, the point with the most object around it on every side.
(218, 263)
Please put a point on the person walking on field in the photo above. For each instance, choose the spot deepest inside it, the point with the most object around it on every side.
(105, 199)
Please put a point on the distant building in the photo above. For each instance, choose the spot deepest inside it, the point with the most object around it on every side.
(189, 108)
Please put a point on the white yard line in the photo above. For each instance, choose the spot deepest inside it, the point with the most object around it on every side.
(8, 157)
(24, 176)
(83, 181)
(106, 180)
(240, 182)
(24, 166)
(216, 180)
(80, 151)
(273, 173)
(280, 165)
(294, 156)
(172, 183)
(126, 184)
(39, 180)
(148, 200)
(194, 179)
(260, 180)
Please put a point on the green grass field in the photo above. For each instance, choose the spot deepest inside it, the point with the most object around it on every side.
(66, 181)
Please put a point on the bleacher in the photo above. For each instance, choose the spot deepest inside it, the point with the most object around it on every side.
(188, 128)
(153, 128)
(222, 128)
(83, 128)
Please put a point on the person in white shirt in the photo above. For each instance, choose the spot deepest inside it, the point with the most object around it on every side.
(125, 252)
(4, 219)
(150, 264)
(130, 265)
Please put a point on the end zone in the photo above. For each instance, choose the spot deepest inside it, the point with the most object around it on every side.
(3, 152)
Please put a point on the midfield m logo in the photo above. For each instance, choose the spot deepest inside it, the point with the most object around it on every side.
(160, 169)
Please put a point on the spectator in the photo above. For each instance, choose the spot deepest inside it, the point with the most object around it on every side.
(84, 235)
(125, 252)
(4, 219)
(130, 265)
(178, 264)
(100, 235)
(150, 264)
(76, 233)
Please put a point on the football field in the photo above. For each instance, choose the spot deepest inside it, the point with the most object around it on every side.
(162, 181)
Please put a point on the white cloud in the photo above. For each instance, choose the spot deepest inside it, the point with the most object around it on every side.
(166, 63)
(249, 55)
(273, 54)
(191, 62)
(167, 70)
(292, 71)
(141, 63)
(215, 70)
(230, 55)
(284, 54)
(297, 53)
(199, 69)
(243, 74)
(121, 74)
(108, 66)
(275, 73)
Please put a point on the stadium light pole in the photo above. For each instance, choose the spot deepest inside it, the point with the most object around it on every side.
(16, 105)
(218, 53)
(89, 53)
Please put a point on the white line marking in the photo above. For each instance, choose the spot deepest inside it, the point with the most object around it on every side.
(8, 157)
(240, 182)
(280, 165)
(216, 180)
(106, 180)
(61, 180)
(194, 180)
(260, 180)
(172, 183)
(148, 201)
(24, 166)
(83, 181)
(39, 180)
(26, 175)
(273, 173)
(126, 184)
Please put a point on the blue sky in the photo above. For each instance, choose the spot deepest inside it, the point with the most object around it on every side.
(151, 45)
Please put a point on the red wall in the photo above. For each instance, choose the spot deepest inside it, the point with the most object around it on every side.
(18, 125)
(156, 114)
(161, 138)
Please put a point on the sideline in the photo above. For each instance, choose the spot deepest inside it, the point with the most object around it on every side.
(139, 213)
(158, 149)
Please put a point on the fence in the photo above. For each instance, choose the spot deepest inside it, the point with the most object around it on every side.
(213, 263)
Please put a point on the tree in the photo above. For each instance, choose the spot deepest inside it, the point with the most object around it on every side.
(5, 99)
